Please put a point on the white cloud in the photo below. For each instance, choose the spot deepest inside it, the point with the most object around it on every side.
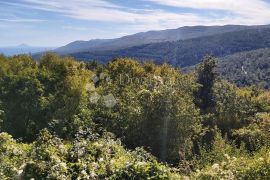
(104, 11)
(246, 12)
(21, 20)
(250, 10)
(238, 6)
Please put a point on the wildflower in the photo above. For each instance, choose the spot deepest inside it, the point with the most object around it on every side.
(230, 175)
(83, 172)
(20, 172)
(227, 156)
(80, 152)
(95, 165)
(141, 163)
(93, 174)
(215, 167)
(63, 165)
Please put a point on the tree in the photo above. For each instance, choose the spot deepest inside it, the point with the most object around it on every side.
(206, 78)
(21, 94)
(233, 108)
(155, 107)
(49, 94)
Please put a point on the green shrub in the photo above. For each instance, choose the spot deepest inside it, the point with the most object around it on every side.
(255, 167)
(84, 158)
(13, 156)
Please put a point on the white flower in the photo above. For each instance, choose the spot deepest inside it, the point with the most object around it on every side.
(141, 163)
(20, 172)
(92, 174)
(227, 156)
(80, 152)
(95, 165)
(63, 165)
(215, 167)
(159, 79)
(230, 175)
(112, 161)
(83, 172)
(101, 160)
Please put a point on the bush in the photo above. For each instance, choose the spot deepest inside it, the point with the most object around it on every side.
(84, 158)
(250, 168)
(13, 156)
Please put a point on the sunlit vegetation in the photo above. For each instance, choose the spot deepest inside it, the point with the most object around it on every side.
(64, 119)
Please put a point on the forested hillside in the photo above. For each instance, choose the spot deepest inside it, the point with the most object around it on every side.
(168, 35)
(247, 68)
(64, 119)
(187, 52)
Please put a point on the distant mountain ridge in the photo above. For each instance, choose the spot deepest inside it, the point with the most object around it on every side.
(188, 52)
(170, 35)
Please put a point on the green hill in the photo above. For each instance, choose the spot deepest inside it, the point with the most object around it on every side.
(188, 52)
(247, 68)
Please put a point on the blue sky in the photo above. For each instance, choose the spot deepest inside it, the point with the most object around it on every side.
(58, 22)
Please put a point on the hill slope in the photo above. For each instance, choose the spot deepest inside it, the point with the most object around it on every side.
(247, 68)
(182, 33)
(188, 52)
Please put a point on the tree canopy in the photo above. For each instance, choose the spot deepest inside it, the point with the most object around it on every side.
(64, 119)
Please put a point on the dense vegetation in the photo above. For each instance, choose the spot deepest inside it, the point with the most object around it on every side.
(188, 52)
(63, 119)
(182, 33)
(247, 68)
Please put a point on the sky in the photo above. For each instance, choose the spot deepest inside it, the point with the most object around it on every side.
(55, 23)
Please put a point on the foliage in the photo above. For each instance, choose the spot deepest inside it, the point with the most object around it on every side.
(13, 156)
(184, 53)
(247, 68)
(252, 136)
(255, 167)
(206, 78)
(161, 111)
(76, 120)
(50, 158)
(36, 95)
